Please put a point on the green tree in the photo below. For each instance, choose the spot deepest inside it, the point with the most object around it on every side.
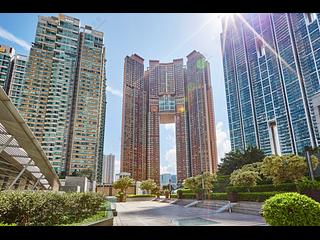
(243, 177)
(86, 173)
(148, 185)
(123, 184)
(200, 183)
(236, 159)
(286, 168)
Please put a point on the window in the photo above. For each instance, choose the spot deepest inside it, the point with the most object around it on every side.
(260, 48)
(310, 17)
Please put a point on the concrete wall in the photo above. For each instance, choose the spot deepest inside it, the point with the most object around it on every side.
(70, 188)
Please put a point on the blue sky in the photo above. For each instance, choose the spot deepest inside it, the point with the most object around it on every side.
(152, 36)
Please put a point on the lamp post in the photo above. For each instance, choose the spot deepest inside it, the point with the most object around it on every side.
(202, 183)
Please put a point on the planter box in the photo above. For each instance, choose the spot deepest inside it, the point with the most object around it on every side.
(139, 199)
(312, 193)
(233, 197)
(107, 221)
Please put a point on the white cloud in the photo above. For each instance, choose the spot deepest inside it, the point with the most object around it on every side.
(9, 36)
(113, 91)
(169, 164)
(223, 141)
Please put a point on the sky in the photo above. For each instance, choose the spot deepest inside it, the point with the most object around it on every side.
(158, 36)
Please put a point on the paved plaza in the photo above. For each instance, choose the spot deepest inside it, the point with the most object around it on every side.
(149, 213)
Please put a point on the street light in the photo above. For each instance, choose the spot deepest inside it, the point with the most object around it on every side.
(202, 183)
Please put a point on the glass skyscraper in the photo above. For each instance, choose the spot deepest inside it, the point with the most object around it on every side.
(271, 68)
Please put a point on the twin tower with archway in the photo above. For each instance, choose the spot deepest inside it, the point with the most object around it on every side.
(167, 93)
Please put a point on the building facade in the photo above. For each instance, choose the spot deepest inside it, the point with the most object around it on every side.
(88, 104)
(62, 97)
(167, 93)
(108, 169)
(6, 58)
(16, 80)
(271, 67)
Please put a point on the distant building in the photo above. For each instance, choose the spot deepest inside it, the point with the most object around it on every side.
(174, 179)
(108, 168)
(121, 175)
(6, 58)
(16, 80)
(165, 179)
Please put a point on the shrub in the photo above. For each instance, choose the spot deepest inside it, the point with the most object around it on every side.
(284, 187)
(188, 195)
(173, 196)
(244, 178)
(47, 208)
(308, 185)
(255, 196)
(219, 196)
(148, 185)
(140, 195)
(291, 209)
(7, 225)
(222, 182)
(285, 168)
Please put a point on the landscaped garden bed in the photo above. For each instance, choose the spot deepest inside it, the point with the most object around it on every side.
(35, 208)
(140, 197)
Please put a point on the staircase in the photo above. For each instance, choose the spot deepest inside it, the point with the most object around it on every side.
(253, 208)
(214, 205)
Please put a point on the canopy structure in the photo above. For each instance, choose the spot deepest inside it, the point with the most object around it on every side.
(23, 163)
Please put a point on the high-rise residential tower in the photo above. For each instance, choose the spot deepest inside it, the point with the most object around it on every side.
(271, 67)
(16, 80)
(108, 169)
(133, 140)
(63, 96)
(6, 58)
(88, 103)
(168, 93)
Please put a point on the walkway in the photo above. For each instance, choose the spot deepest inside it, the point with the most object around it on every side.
(149, 213)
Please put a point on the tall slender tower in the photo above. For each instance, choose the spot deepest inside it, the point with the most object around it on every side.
(174, 94)
(133, 138)
(88, 103)
(203, 149)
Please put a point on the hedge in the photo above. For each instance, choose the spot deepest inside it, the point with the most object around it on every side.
(219, 196)
(140, 195)
(285, 187)
(34, 208)
(173, 195)
(188, 195)
(255, 196)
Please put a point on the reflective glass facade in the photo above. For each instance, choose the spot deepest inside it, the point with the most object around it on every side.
(271, 68)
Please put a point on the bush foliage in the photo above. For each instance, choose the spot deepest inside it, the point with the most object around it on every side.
(244, 178)
(306, 184)
(285, 168)
(255, 196)
(291, 209)
(284, 187)
(140, 195)
(29, 208)
(148, 185)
